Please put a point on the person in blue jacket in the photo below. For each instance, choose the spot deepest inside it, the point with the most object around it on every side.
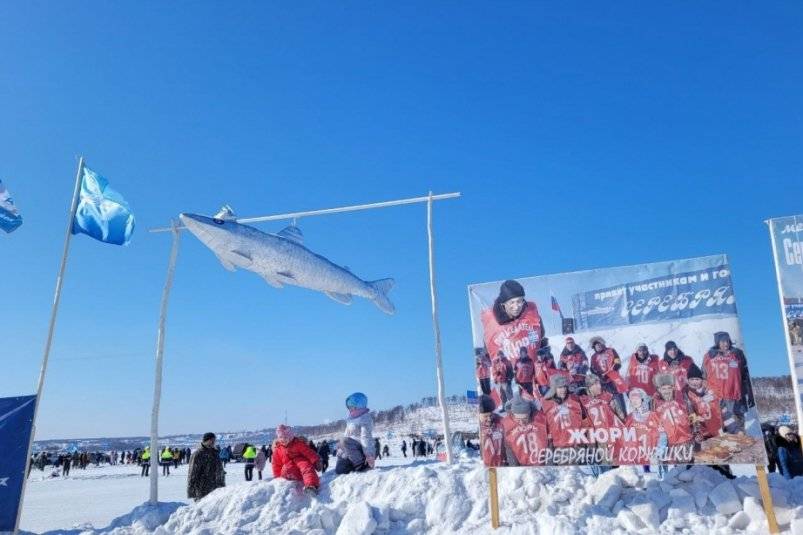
(790, 456)
(225, 455)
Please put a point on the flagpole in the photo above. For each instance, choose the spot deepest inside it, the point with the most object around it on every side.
(447, 438)
(157, 384)
(52, 327)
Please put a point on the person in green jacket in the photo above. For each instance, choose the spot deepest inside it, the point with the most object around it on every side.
(167, 460)
(145, 461)
(249, 455)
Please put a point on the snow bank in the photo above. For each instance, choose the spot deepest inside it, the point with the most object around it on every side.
(430, 497)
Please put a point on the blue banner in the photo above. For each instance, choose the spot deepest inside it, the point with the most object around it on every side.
(102, 212)
(471, 397)
(16, 419)
(669, 297)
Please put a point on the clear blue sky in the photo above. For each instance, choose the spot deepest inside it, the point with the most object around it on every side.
(580, 136)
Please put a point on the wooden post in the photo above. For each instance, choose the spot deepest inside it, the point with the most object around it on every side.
(766, 499)
(494, 498)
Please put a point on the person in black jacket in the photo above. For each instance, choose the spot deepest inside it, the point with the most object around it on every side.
(205, 472)
(323, 453)
(771, 446)
(790, 456)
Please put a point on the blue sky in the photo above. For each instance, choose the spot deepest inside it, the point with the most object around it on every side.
(580, 137)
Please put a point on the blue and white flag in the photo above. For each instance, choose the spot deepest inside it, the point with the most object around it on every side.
(102, 212)
(10, 218)
(16, 421)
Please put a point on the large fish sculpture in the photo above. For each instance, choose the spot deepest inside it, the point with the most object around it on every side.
(281, 259)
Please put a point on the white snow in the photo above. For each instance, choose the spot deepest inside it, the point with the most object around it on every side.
(402, 496)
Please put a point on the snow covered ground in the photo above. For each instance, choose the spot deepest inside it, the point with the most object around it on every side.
(403, 496)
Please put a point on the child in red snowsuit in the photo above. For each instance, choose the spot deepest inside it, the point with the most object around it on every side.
(293, 459)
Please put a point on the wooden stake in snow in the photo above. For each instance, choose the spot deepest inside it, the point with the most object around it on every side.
(493, 496)
(766, 499)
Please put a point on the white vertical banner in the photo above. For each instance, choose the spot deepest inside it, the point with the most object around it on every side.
(786, 234)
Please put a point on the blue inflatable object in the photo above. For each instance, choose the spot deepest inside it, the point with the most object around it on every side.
(357, 400)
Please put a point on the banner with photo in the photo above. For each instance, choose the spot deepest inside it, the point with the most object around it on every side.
(647, 368)
(786, 234)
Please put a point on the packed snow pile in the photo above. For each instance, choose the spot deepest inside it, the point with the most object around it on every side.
(431, 497)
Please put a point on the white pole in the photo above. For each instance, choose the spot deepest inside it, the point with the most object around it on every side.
(157, 384)
(296, 215)
(447, 436)
(52, 327)
(792, 366)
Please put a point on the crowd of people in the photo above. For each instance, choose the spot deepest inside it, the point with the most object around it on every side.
(535, 409)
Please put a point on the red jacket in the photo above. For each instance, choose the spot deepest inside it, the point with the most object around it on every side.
(640, 374)
(673, 417)
(723, 372)
(562, 418)
(527, 443)
(706, 407)
(638, 448)
(492, 442)
(679, 368)
(524, 331)
(295, 460)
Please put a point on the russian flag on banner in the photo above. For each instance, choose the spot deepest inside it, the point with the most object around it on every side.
(556, 306)
(10, 218)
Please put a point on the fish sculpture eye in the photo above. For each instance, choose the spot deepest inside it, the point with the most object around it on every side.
(218, 221)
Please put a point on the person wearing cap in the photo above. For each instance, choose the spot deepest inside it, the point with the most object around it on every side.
(725, 370)
(563, 412)
(673, 414)
(677, 363)
(512, 322)
(293, 459)
(790, 457)
(360, 425)
(482, 369)
(492, 433)
(205, 472)
(706, 413)
(574, 360)
(525, 433)
(641, 368)
(605, 363)
(524, 372)
(638, 448)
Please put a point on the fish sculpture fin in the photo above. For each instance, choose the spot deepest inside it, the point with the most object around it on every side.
(226, 264)
(243, 259)
(292, 233)
(276, 283)
(382, 287)
(340, 298)
(286, 274)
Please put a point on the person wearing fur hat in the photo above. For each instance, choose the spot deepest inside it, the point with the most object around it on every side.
(293, 459)
(604, 412)
(673, 414)
(725, 370)
(639, 449)
(677, 363)
(790, 457)
(492, 433)
(482, 369)
(706, 412)
(574, 360)
(525, 433)
(512, 322)
(563, 411)
(641, 368)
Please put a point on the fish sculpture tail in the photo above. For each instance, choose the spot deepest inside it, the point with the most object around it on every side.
(382, 287)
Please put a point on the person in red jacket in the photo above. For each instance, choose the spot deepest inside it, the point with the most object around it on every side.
(604, 413)
(293, 459)
(707, 414)
(492, 433)
(525, 434)
(482, 367)
(638, 447)
(564, 413)
(574, 360)
(524, 371)
(605, 363)
(673, 415)
(512, 322)
(641, 368)
(725, 370)
(677, 363)
(501, 377)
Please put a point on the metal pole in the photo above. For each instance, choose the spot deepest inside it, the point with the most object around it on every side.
(447, 436)
(295, 215)
(52, 327)
(792, 365)
(157, 383)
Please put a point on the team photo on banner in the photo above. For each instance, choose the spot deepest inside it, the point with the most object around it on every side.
(633, 365)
